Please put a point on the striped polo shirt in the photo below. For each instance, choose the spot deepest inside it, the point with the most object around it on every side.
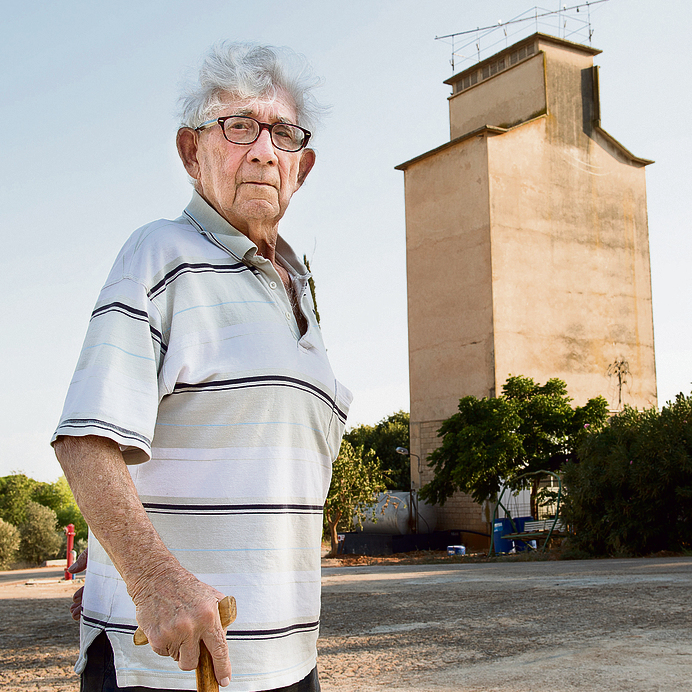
(229, 421)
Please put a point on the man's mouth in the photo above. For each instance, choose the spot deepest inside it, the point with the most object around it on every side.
(258, 182)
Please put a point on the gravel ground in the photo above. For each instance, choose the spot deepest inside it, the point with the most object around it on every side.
(615, 625)
(38, 639)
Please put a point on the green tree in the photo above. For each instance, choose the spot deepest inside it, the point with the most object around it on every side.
(54, 495)
(15, 493)
(382, 440)
(357, 479)
(491, 442)
(17, 490)
(40, 539)
(9, 544)
(58, 496)
(629, 492)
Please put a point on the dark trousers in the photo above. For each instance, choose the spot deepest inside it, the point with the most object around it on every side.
(99, 674)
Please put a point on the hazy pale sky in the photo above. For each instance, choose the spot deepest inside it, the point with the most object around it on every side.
(87, 102)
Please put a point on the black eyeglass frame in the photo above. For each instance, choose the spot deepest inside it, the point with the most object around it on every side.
(262, 126)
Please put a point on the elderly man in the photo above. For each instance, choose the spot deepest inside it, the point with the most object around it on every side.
(203, 416)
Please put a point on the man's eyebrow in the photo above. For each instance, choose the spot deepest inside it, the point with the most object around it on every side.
(248, 112)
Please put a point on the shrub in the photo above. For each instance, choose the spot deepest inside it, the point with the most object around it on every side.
(383, 439)
(356, 481)
(631, 491)
(9, 544)
(15, 492)
(495, 442)
(39, 538)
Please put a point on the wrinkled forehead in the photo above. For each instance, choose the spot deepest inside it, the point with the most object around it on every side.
(275, 108)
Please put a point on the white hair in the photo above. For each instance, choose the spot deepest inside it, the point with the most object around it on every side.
(249, 71)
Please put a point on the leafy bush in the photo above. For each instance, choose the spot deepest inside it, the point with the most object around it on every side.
(383, 439)
(15, 493)
(9, 544)
(17, 490)
(630, 493)
(494, 442)
(40, 539)
(356, 481)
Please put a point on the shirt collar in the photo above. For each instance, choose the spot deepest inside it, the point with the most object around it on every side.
(213, 226)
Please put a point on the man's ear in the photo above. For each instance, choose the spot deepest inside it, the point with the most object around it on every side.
(307, 161)
(186, 141)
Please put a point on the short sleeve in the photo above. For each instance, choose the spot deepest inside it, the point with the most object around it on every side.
(114, 392)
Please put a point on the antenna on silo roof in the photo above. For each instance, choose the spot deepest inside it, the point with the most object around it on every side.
(569, 27)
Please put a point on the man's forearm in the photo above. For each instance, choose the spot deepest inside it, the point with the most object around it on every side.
(104, 491)
(175, 610)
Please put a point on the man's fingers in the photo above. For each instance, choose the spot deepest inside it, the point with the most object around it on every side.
(79, 565)
(76, 612)
(188, 656)
(76, 605)
(218, 648)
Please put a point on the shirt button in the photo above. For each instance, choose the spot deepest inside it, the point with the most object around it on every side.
(288, 315)
(272, 285)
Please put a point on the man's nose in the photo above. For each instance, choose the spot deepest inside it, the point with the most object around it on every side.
(262, 150)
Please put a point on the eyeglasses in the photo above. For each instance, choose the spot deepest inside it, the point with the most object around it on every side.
(241, 129)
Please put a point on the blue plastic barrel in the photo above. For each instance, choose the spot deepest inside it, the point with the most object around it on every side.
(500, 528)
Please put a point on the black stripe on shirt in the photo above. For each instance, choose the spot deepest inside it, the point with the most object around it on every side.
(232, 635)
(258, 381)
(117, 306)
(110, 626)
(195, 268)
(272, 634)
(135, 314)
(95, 423)
(174, 508)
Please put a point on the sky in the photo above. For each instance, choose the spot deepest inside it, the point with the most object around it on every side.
(88, 98)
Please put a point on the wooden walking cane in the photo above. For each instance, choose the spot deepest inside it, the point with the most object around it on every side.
(206, 680)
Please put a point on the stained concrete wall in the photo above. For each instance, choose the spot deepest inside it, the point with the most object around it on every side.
(570, 248)
(449, 279)
(507, 99)
(571, 279)
(449, 302)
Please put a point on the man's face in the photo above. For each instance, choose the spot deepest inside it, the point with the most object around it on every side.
(248, 184)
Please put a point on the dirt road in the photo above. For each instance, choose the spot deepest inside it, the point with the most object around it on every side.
(615, 625)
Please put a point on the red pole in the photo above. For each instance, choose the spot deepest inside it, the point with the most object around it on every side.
(69, 530)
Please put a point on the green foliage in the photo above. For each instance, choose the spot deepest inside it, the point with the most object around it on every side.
(15, 494)
(631, 491)
(40, 539)
(478, 449)
(67, 510)
(356, 481)
(382, 440)
(311, 285)
(9, 544)
(54, 495)
(529, 427)
(17, 490)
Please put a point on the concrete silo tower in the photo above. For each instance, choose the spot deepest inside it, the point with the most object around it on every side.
(527, 246)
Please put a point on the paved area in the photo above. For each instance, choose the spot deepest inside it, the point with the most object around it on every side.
(20, 576)
(616, 625)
